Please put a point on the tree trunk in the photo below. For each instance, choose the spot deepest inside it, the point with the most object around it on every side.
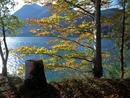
(4, 56)
(98, 71)
(122, 40)
(4, 71)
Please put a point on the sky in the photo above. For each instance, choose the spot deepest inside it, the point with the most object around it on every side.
(20, 3)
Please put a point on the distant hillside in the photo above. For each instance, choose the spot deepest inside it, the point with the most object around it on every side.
(37, 11)
(109, 12)
(33, 11)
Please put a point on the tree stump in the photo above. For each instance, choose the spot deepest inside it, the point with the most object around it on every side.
(34, 73)
(35, 84)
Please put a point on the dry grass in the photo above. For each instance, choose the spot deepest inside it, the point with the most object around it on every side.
(90, 88)
(94, 88)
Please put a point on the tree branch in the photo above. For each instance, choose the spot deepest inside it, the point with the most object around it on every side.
(87, 46)
(90, 14)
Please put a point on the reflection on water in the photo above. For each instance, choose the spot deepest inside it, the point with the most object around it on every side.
(14, 42)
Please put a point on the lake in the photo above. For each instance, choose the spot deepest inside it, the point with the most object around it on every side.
(14, 42)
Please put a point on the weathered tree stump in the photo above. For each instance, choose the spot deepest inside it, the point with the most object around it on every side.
(34, 68)
(35, 84)
(34, 73)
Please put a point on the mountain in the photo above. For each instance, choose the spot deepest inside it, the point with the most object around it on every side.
(31, 11)
(109, 12)
(36, 11)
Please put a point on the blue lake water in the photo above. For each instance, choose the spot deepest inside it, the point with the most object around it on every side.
(14, 42)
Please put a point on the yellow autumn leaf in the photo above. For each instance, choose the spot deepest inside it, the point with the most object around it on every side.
(33, 31)
(105, 54)
(43, 33)
(87, 35)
